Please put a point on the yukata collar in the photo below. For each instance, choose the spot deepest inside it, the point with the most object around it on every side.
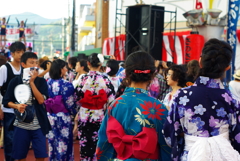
(208, 82)
(136, 90)
(94, 72)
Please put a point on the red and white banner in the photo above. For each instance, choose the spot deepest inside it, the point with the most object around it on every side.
(108, 47)
(170, 52)
(12, 31)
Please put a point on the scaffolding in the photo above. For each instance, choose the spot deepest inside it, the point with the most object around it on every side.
(118, 19)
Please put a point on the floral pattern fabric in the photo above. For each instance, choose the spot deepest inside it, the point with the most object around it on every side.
(134, 110)
(89, 120)
(204, 109)
(71, 75)
(60, 138)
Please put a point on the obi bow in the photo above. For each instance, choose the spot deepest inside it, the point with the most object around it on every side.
(91, 101)
(140, 146)
(55, 105)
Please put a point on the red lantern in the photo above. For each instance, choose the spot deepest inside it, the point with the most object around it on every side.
(194, 45)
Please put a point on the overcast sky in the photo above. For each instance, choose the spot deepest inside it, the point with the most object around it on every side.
(51, 9)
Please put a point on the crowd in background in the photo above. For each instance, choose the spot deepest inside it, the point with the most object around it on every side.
(121, 110)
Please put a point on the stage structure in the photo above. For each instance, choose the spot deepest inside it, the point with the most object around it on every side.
(144, 29)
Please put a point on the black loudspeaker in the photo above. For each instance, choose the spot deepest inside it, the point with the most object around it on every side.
(144, 28)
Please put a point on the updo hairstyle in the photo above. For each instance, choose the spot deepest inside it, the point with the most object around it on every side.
(139, 61)
(94, 60)
(216, 57)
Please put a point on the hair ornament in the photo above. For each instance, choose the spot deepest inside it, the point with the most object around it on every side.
(101, 58)
(142, 71)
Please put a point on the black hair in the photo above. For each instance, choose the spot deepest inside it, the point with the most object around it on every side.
(94, 60)
(193, 69)
(139, 61)
(216, 57)
(55, 70)
(179, 74)
(28, 55)
(30, 48)
(44, 64)
(17, 46)
(83, 63)
(113, 65)
(73, 61)
(3, 60)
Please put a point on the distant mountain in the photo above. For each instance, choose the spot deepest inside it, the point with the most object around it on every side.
(31, 18)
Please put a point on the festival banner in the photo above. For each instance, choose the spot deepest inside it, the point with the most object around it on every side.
(233, 10)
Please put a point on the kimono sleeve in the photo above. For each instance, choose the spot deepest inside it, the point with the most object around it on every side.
(165, 150)
(173, 131)
(234, 130)
(69, 98)
(105, 150)
(111, 91)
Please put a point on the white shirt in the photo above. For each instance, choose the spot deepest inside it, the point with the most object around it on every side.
(234, 87)
(3, 79)
(76, 82)
(115, 82)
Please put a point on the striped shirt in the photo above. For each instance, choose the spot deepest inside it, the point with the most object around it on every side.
(34, 125)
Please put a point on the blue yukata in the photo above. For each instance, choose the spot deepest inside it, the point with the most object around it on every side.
(132, 129)
(60, 139)
(203, 113)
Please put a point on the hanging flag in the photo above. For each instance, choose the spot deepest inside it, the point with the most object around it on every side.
(233, 10)
(198, 4)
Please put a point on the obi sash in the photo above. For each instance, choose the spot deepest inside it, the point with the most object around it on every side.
(94, 102)
(55, 105)
(216, 148)
(142, 146)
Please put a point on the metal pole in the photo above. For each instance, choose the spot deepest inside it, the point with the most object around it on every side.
(73, 31)
(115, 34)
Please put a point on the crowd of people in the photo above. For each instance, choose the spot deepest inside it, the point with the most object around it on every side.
(140, 109)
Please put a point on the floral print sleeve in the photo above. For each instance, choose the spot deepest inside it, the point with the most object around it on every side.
(204, 109)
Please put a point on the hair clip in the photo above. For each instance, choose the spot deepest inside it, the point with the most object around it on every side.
(142, 71)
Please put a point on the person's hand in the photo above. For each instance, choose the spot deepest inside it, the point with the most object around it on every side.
(157, 63)
(112, 57)
(1, 114)
(34, 74)
(164, 64)
(21, 107)
(49, 66)
(75, 132)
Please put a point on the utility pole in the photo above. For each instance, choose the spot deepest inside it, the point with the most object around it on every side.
(73, 30)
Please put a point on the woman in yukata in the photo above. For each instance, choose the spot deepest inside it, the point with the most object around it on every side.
(94, 92)
(60, 106)
(176, 80)
(111, 70)
(202, 124)
(81, 69)
(132, 126)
